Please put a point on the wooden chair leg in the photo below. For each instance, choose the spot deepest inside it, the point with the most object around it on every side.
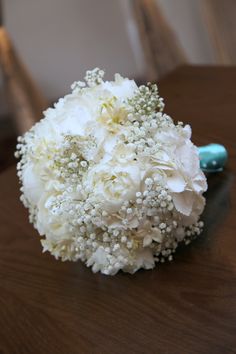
(25, 98)
(161, 48)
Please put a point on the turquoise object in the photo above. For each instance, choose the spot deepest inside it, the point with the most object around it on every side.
(213, 157)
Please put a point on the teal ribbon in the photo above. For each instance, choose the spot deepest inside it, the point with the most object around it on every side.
(213, 157)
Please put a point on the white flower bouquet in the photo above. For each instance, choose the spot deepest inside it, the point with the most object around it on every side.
(109, 179)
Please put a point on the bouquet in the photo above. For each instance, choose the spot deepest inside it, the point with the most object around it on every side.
(109, 179)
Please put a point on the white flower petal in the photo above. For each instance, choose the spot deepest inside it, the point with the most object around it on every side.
(183, 202)
(200, 183)
(175, 182)
(147, 240)
(32, 184)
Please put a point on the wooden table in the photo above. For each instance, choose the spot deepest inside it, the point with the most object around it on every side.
(187, 306)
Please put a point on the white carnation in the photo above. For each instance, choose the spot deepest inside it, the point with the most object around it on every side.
(109, 179)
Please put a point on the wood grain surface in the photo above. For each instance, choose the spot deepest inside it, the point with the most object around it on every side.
(184, 307)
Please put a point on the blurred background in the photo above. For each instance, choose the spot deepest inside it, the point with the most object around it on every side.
(46, 45)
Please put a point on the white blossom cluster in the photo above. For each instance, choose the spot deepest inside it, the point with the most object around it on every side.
(109, 179)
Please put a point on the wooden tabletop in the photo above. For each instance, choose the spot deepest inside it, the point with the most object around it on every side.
(184, 307)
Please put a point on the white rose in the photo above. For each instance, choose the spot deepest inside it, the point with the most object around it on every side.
(121, 88)
(114, 184)
(32, 184)
(70, 118)
(49, 223)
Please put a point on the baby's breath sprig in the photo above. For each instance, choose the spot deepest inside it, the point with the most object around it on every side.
(146, 101)
(94, 77)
